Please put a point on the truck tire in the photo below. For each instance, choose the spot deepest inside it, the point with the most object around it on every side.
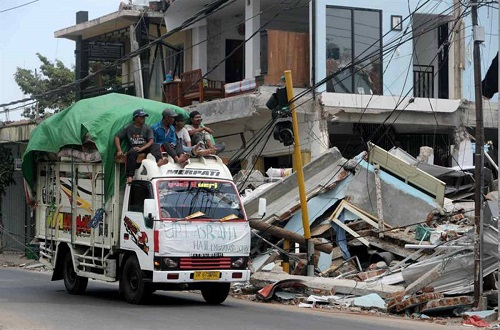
(132, 284)
(215, 293)
(74, 284)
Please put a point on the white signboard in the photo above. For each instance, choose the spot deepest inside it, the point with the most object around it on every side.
(204, 238)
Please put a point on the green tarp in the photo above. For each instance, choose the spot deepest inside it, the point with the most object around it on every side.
(102, 117)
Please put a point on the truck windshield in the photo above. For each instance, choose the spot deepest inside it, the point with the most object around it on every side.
(197, 199)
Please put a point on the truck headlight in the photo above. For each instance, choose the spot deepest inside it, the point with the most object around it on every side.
(170, 263)
(239, 263)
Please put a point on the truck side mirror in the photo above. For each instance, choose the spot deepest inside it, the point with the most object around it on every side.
(150, 211)
(262, 207)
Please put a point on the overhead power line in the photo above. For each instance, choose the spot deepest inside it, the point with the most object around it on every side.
(202, 14)
(25, 4)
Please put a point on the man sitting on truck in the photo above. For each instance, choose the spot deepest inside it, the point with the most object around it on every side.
(202, 134)
(164, 135)
(183, 136)
(140, 139)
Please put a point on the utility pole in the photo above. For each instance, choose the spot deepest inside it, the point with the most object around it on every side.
(478, 32)
(300, 177)
(457, 49)
(498, 171)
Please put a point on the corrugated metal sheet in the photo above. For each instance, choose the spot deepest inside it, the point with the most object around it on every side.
(19, 229)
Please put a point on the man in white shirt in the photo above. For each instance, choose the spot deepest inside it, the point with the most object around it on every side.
(199, 133)
(183, 135)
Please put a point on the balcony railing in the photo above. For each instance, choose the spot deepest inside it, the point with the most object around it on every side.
(423, 81)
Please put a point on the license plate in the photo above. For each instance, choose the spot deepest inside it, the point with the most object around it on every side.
(206, 275)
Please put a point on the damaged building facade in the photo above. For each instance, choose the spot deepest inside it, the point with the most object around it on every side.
(407, 85)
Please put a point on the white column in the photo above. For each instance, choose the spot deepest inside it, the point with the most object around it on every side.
(199, 38)
(252, 46)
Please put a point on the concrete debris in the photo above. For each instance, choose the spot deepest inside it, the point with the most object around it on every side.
(261, 260)
(343, 286)
(386, 236)
(304, 305)
(371, 300)
(446, 304)
(283, 295)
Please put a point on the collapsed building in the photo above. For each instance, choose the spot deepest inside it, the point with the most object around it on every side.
(382, 224)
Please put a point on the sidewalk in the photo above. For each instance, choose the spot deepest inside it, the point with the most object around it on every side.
(15, 259)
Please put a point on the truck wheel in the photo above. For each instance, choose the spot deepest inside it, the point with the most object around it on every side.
(74, 284)
(215, 293)
(132, 284)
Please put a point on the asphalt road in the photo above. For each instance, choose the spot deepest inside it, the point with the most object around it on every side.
(29, 300)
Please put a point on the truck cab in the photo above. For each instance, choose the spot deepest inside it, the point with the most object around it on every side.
(186, 228)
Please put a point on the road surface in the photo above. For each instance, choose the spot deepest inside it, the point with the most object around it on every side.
(29, 300)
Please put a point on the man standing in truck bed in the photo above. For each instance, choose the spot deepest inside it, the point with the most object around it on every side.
(139, 140)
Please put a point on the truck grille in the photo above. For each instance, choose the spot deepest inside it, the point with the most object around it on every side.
(205, 263)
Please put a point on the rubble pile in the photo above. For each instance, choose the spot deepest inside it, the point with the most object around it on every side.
(387, 238)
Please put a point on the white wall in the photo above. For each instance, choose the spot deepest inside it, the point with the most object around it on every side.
(397, 67)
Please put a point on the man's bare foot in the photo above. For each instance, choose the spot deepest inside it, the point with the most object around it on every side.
(129, 179)
(162, 162)
(184, 163)
(184, 157)
(204, 152)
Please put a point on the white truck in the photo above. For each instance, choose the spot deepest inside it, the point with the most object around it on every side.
(172, 228)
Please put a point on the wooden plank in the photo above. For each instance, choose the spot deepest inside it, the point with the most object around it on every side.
(407, 172)
(380, 211)
(393, 248)
(350, 231)
(363, 216)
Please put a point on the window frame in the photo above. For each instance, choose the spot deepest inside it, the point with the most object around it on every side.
(353, 42)
(143, 184)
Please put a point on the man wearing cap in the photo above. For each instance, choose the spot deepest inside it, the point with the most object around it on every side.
(140, 139)
(164, 135)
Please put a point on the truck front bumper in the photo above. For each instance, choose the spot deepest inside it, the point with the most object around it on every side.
(224, 276)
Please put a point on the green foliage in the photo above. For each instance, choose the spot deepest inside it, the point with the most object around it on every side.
(6, 169)
(50, 77)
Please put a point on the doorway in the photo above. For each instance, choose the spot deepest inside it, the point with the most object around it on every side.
(235, 63)
(443, 75)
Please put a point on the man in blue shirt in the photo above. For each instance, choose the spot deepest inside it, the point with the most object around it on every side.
(164, 134)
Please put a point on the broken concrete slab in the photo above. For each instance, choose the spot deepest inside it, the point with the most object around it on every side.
(426, 279)
(283, 198)
(362, 193)
(343, 286)
(403, 302)
(264, 259)
(371, 300)
(446, 304)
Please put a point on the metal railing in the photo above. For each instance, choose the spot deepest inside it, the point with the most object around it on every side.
(423, 81)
